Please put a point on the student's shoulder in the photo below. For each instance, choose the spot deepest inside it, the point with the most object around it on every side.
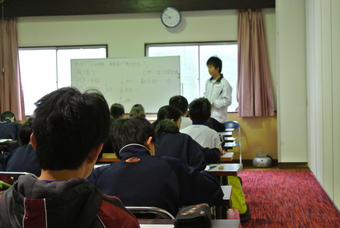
(112, 213)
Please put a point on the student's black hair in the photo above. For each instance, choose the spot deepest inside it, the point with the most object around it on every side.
(136, 111)
(179, 102)
(6, 116)
(216, 62)
(127, 131)
(117, 110)
(165, 126)
(200, 110)
(168, 112)
(67, 125)
(25, 132)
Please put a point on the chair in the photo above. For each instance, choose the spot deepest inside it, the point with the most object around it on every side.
(234, 128)
(142, 212)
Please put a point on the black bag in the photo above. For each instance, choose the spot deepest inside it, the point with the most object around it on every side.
(194, 216)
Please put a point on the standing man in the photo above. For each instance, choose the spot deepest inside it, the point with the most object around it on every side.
(218, 92)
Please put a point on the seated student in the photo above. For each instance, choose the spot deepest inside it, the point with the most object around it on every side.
(7, 116)
(199, 112)
(24, 158)
(141, 179)
(137, 110)
(117, 111)
(181, 145)
(8, 126)
(69, 129)
(181, 103)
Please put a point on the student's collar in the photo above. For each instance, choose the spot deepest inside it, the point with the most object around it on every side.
(218, 80)
(139, 147)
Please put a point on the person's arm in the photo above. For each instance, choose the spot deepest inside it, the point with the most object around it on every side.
(196, 186)
(212, 155)
(224, 99)
(197, 157)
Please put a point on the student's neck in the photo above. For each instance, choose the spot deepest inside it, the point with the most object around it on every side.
(58, 175)
(217, 76)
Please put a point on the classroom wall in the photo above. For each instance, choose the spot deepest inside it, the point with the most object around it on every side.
(291, 80)
(258, 135)
(323, 74)
(126, 35)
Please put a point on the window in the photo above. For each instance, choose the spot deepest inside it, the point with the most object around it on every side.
(44, 70)
(194, 72)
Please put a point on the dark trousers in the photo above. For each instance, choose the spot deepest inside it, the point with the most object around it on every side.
(214, 124)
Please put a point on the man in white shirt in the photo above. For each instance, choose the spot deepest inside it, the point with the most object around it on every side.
(199, 112)
(218, 92)
(181, 103)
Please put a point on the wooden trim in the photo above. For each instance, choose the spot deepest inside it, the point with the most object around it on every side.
(293, 165)
(21, 8)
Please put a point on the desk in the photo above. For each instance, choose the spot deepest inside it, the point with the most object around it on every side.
(227, 169)
(220, 211)
(168, 223)
(227, 157)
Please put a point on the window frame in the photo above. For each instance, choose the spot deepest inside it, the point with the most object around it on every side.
(63, 47)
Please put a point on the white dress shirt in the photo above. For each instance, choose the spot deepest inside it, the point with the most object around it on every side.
(204, 135)
(219, 95)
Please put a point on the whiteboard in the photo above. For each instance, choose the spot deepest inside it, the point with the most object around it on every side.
(149, 81)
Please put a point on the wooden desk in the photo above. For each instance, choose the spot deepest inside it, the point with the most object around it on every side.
(168, 223)
(220, 211)
(227, 157)
(226, 169)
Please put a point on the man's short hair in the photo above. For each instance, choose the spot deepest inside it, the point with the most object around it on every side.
(200, 110)
(165, 126)
(25, 131)
(117, 110)
(168, 112)
(67, 125)
(216, 62)
(127, 131)
(179, 102)
(7, 116)
(137, 110)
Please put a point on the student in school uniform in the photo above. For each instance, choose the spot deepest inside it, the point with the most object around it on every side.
(24, 158)
(8, 126)
(218, 92)
(181, 145)
(142, 179)
(69, 129)
(117, 111)
(199, 112)
(181, 103)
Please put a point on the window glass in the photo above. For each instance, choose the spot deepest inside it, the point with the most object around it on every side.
(44, 70)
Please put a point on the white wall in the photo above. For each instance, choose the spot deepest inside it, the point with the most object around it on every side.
(323, 76)
(335, 5)
(126, 34)
(291, 80)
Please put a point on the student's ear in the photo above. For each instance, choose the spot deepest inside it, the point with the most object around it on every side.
(33, 141)
(94, 153)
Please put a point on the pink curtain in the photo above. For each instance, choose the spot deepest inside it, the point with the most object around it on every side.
(254, 87)
(11, 95)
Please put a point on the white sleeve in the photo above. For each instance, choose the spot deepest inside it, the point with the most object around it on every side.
(225, 98)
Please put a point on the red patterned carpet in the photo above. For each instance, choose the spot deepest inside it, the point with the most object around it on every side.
(287, 198)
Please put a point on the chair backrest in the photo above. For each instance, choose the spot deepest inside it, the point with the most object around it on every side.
(231, 124)
(10, 177)
(149, 212)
